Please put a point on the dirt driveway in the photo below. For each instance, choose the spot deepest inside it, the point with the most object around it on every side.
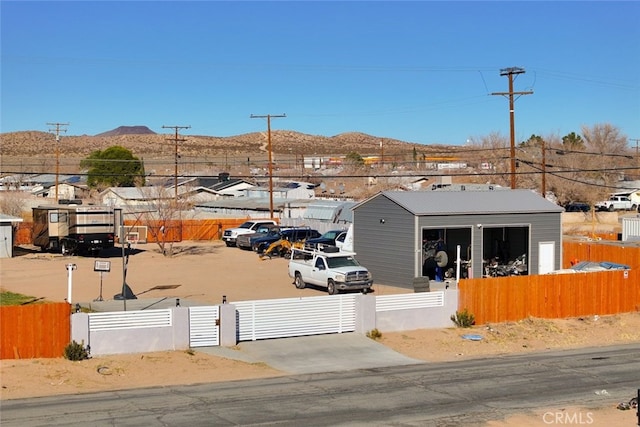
(202, 271)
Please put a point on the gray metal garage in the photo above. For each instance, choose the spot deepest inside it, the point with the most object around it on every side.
(400, 235)
(7, 234)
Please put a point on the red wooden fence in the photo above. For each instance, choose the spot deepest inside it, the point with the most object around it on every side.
(174, 231)
(601, 251)
(550, 296)
(38, 330)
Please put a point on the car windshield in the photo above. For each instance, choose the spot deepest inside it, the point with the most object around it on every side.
(331, 234)
(342, 261)
(247, 224)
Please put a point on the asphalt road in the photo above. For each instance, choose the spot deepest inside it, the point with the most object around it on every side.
(462, 393)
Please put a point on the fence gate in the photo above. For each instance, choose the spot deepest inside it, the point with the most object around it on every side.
(204, 326)
(292, 317)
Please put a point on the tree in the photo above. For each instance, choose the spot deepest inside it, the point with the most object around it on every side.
(163, 216)
(608, 149)
(604, 138)
(572, 141)
(354, 159)
(493, 150)
(529, 162)
(114, 167)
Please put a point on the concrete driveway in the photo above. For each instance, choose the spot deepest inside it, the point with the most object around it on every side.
(315, 354)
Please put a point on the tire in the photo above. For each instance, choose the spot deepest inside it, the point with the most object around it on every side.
(299, 282)
(229, 244)
(610, 208)
(634, 207)
(331, 288)
(64, 248)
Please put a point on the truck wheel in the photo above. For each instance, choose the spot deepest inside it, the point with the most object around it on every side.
(229, 244)
(64, 249)
(331, 287)
(611, 208)
(299, 282)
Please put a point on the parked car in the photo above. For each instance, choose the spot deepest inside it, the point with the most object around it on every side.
(592, 266)
(243, 241)
(293, 235)
(577, 207)
(327, 239)
(230, 235)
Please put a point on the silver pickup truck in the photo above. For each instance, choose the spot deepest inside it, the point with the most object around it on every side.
(230, 235)
(336, 271)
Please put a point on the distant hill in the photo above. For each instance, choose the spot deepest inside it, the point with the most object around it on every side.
(128, 130)
(36, 146)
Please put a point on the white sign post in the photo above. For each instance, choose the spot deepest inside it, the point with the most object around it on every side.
(101, 267)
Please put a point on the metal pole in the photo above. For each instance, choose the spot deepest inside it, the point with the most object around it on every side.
(70, 268)
(458, 263)
(124, 263)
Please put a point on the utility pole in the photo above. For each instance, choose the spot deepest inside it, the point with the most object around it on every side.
(510, 72)
(382, 153)
(175, 139)
(268, 117)
(636, 140)
(57, 130)
(544, 170)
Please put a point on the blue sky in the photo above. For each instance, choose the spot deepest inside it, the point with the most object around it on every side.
(420, 71)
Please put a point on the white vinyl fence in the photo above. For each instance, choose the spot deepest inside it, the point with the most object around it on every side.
(290, 317)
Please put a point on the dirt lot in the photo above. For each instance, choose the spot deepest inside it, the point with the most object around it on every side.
(205, 272)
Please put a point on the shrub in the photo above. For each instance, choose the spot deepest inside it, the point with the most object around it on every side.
(75, 351)
(463, 319)
(374, 334)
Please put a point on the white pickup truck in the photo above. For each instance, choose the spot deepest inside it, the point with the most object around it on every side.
(230, 235)
(337, 271)
(616, 203)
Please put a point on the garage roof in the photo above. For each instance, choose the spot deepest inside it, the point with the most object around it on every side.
(9, 218)
(470, 202)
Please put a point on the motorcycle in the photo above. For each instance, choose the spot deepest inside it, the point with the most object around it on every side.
(517, 267)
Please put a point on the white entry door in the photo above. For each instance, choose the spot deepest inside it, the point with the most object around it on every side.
(546, 257)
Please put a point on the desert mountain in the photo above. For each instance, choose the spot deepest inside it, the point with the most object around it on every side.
(143, 142)
(128, 130)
